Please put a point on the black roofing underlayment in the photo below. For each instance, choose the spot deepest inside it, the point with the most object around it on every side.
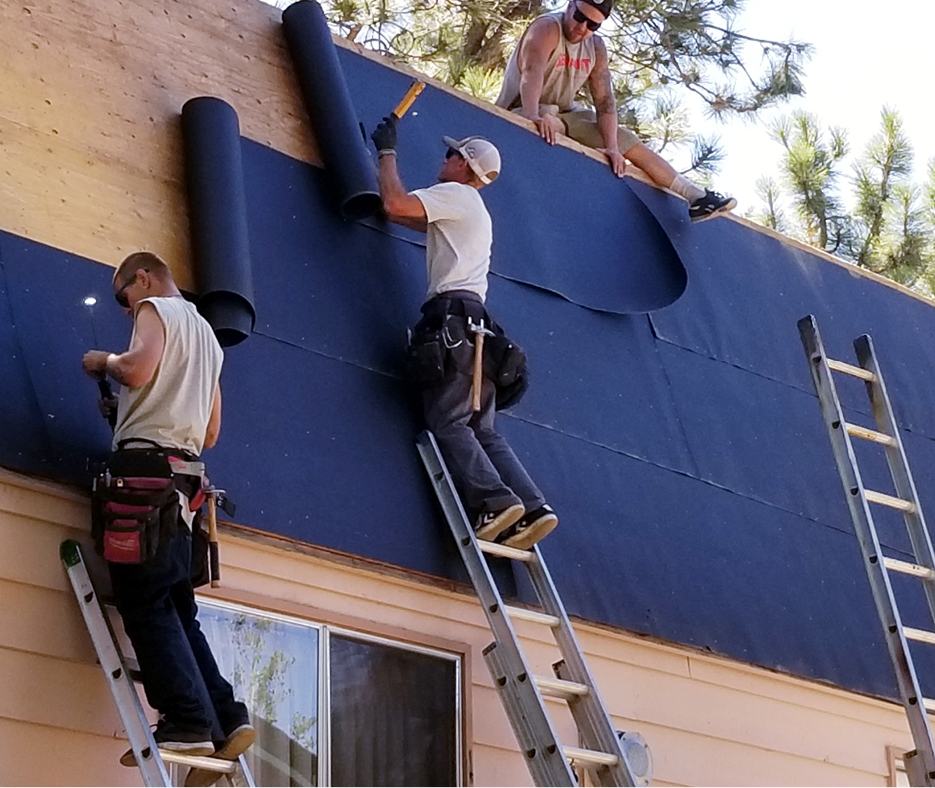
(684, 450)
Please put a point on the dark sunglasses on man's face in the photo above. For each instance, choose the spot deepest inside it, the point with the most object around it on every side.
(451, 152)
(579, 18)
(121, 295)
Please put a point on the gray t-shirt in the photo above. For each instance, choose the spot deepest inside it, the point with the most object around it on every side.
(458, 238)
(174, 408)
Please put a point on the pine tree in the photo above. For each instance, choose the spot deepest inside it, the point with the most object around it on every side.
(659, 50)
(891, 229)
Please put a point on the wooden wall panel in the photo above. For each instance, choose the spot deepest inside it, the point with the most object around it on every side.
(708, 720)
(90, 139)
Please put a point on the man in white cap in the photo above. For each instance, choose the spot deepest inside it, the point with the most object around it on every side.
(495, 487)
(557, 56)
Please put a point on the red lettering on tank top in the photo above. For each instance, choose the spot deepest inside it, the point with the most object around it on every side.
(577, 63)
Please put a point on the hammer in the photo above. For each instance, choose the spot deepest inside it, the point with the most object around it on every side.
(409, 99)
(214, 558)
(479, 332)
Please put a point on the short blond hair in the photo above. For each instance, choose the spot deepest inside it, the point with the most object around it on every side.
(148, 261)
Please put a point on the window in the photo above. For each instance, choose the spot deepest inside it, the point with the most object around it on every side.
(378, 711)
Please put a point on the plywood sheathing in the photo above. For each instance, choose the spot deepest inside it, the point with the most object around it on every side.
(90, 138)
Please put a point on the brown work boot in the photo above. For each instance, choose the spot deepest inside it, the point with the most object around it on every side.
(238, 742)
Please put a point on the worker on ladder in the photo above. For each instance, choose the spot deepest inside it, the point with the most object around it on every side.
(168, 410)
(461, 385)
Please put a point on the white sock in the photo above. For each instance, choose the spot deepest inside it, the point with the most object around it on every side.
(685, 188)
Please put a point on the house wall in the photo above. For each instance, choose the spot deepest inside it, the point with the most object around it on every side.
(709, 721)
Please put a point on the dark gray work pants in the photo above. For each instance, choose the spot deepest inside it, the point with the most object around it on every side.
(484, 468)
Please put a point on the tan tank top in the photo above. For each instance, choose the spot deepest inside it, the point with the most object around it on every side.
(173, 409)
(567, 70)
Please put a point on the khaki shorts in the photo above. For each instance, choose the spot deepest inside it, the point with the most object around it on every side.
(581, 126)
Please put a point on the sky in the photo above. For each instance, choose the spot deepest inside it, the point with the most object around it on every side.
(866, 55)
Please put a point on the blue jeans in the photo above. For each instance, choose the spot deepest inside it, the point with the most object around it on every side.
(180, 676)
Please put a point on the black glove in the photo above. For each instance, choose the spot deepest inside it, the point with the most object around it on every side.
(384, 135)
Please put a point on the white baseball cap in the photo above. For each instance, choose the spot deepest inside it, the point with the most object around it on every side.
(481, 154)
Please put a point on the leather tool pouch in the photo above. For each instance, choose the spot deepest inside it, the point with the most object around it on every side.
(135, 506)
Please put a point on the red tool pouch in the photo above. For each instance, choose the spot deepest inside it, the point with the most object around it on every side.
(135, 506)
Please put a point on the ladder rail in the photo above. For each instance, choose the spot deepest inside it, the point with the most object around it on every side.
(590, 713)
(874, 561)
(507, 662)
(899, 465)
(151, 766)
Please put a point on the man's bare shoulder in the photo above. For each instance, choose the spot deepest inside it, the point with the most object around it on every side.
(542, 34)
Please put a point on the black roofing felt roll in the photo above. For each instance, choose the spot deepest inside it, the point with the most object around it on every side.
(333, 118)
(218, 217)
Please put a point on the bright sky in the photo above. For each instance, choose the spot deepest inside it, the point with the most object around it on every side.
(867, 55)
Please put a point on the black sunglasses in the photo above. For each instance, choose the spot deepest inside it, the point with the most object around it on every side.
(120, 295)
(451, 152)
(579, 17)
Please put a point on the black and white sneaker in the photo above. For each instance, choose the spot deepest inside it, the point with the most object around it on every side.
(170, 737)
(490, 525)
(531, 528)
(710, 205)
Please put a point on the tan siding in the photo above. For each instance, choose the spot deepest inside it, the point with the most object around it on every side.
(708, 720)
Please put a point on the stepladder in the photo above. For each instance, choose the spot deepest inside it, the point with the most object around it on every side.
(609, 757)
(157, 767)
(862, 502)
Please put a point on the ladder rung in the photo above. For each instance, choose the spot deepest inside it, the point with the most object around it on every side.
(199, 762)
(869, 435)
(532, 615)
(891, 501)
(850, 369)
(493, 548)
(922, 635)
(559, 688)
(906, 568)
(589, 757)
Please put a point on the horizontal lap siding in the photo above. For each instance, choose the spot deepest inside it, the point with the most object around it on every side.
(708, 720)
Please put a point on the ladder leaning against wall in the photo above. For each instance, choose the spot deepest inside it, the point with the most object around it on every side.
(920, 762)
(611, 758)
(157, 767)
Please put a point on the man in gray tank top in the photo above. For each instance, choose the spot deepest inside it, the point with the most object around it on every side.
(558, 55)
(169, 405)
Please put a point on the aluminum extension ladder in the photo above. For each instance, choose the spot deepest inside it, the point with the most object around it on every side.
(920, 763)
(610, 758)
(150, 760)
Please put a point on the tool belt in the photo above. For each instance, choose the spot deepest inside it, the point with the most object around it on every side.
(135, 506)
(441, 342)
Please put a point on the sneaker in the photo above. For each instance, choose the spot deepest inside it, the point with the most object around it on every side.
(489, 525)
(170, 737)
(710, 205)
(531, 528)
(237, 742)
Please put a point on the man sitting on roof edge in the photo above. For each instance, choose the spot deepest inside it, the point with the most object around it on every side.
(556, 55)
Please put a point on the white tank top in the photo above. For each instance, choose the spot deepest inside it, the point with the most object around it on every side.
(566, 71)
(174, 408)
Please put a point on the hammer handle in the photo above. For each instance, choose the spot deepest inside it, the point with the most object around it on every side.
(478, 369)
(409, 99)
(214, 558)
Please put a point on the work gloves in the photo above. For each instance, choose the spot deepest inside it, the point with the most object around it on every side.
(384, 135)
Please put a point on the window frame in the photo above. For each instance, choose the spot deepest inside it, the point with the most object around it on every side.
(325, 630)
